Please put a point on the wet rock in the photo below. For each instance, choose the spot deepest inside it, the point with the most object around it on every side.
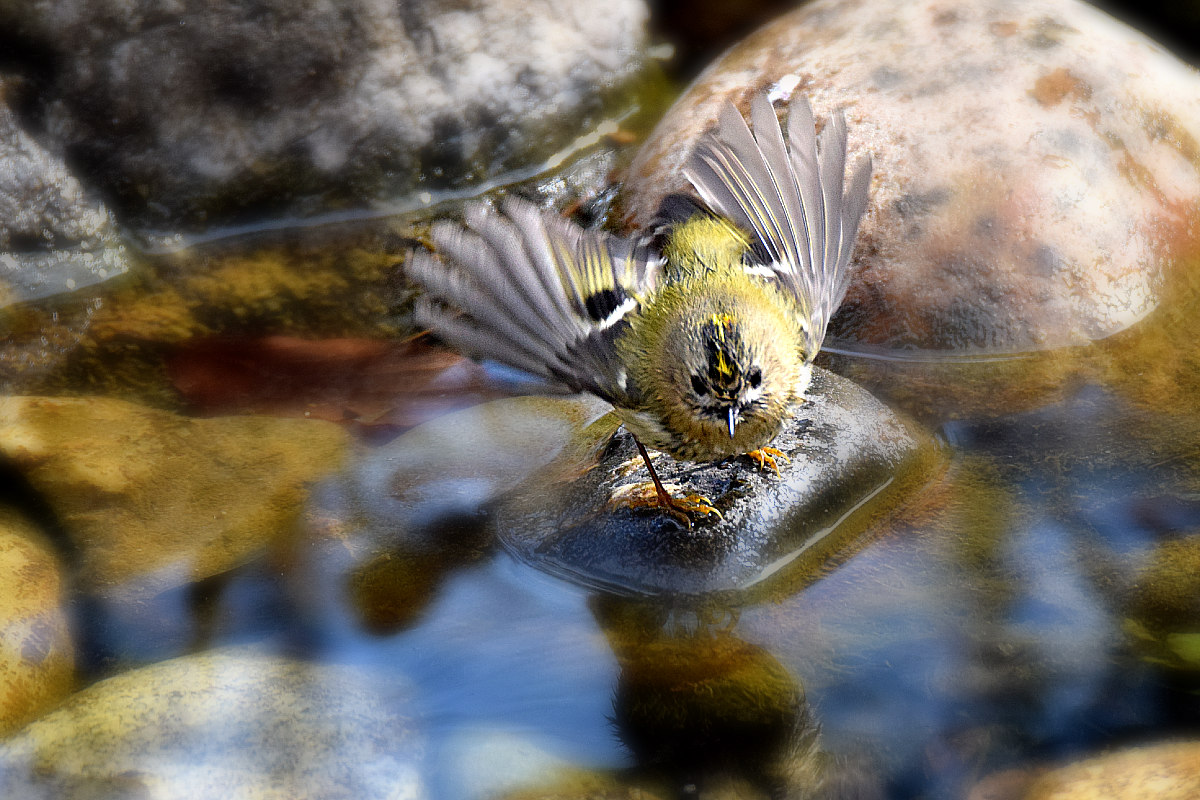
(455, 465)
(54, 239)
(37, 661)
(229, 107)
(222, 724)
(149, 495)
(316, 287)
(408, 514)
(1162, 600)
(479, 764)
(1036, 164)
(849, 459)
(1168, 771)
(1156, 364)
(937, 387)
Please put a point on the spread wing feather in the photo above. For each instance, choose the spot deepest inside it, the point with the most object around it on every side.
(534, 291)
(791, 197)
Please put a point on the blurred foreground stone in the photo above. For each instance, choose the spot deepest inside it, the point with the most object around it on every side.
(37, 657)
(219, 725)
(148, 495)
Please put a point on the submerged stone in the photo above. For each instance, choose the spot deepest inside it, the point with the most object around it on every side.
(149, 495)
(1036, 163)
(407, 514)
(37, 657)
(849, 459)
(222, 724)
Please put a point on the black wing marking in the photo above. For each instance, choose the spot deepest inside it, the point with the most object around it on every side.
(534, 291)
(791, 197)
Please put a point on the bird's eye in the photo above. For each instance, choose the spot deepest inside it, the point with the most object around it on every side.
(699, 386)
(755, 378)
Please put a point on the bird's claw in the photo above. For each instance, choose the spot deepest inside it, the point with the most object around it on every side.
(768, 457)
(646, 495)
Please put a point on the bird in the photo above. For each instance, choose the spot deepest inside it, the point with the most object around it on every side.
(700, 331)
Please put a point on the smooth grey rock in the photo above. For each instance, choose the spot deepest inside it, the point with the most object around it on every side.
(848, 454)
(1036, 163)
(219, 725)
(482, 763)
(53, 238)
(211, 109)
(459, 463)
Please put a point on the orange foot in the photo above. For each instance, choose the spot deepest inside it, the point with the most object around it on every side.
(648, 495)
(768, 457)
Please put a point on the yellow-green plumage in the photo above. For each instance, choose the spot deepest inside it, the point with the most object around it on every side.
(702, 342)
(709, 298)
(703, 242)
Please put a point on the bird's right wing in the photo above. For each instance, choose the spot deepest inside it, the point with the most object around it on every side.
(792, 197)
(532, 290)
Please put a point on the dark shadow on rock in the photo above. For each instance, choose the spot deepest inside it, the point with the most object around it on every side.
(850, 460)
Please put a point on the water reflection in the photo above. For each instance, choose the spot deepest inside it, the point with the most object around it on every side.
(703, 710)
(1033, 603)
(1037, 601)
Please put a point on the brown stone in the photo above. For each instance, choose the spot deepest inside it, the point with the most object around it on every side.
(1036, 163)
(145, 491)
(37, 659)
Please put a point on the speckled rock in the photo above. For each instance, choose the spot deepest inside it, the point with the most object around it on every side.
(219, 725)
(54, 239)
(1036, 163)
(850, 458)
(1169, 771)
(209, 109)
(161, 498)
(37, 659)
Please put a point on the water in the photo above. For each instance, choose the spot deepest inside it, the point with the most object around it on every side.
(1035, 600)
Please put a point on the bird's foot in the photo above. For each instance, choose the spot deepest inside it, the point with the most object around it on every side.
(768, 457)
(648, 495)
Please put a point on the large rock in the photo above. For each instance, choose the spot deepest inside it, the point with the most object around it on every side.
(161, 498)
(37, 658)
(1036, 163)
(850, 459)
(208, 109)
(219, 725)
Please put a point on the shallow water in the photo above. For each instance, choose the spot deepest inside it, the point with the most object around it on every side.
(1034, 600)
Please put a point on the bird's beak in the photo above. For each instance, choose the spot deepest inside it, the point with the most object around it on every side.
(732, 420)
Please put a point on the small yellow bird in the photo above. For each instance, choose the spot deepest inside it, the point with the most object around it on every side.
(701, 333)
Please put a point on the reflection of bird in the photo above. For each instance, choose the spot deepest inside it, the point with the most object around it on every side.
(700, 335)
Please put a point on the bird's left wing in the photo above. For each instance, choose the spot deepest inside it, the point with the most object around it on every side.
(791, 196)
(532, 290)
